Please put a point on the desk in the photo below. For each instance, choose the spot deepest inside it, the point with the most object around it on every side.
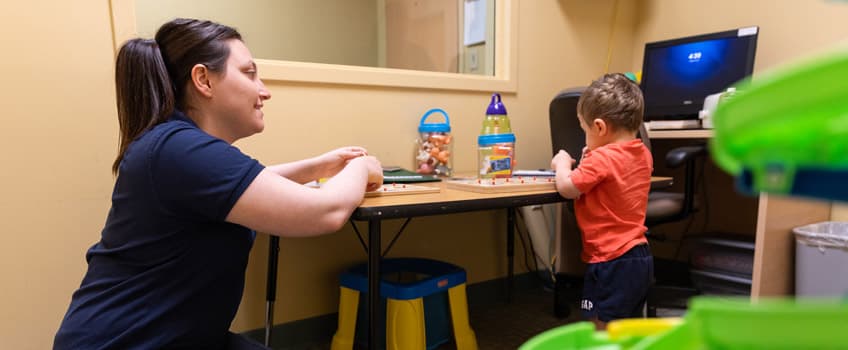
(681, 134)
(774, 252)
(447, 201)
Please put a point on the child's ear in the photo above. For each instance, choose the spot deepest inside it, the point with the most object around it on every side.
(601, 125)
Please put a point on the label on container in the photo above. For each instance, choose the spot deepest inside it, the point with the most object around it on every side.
(496, 161)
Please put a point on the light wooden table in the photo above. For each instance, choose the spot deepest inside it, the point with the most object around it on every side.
(447, 201)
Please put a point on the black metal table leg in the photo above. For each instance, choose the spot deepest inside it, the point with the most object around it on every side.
(510, 251)
(271, 286)
(374, 246)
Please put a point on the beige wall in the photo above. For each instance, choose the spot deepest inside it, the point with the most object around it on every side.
(789, 29)
(60, 139)
(384, 120)
(326, 31)
(839, 213)
(61, 133)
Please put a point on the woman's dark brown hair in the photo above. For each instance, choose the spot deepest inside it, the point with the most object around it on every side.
(151, 76)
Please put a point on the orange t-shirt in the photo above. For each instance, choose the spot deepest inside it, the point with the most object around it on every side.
(614, 181)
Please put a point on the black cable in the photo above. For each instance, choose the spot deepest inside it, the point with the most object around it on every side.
(523, 247)
(683, 237)
(529, 239)
(535, 262)
(521, 240)
(699, 183)
(706, 199)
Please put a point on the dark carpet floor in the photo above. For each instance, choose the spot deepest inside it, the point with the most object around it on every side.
(501, 325)
(507, 326)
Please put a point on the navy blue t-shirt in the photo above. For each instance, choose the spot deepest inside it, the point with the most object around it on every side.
(168, 271)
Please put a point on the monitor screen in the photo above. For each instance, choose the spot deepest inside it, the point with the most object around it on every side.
(678, 74)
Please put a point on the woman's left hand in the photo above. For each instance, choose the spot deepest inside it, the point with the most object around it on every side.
(334, 161)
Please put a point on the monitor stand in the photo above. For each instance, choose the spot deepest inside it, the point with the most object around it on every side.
(673, 124)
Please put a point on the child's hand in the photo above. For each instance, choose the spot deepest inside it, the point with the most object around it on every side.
(562, 159)
(562, 164)
(585, 150)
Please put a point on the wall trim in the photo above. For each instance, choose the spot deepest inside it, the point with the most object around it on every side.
(506, 58)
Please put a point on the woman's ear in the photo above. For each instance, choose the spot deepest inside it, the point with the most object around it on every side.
(601, 126)
(200, 80)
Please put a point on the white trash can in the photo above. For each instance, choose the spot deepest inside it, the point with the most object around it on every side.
(821, 260)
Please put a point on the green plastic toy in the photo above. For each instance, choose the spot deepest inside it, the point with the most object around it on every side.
(787, 130)
(739, 324)
(620, 335)
(716, 323)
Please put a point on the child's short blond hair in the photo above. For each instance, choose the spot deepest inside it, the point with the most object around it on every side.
(615, 99)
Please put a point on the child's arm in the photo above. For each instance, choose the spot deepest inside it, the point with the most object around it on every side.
(562, 164)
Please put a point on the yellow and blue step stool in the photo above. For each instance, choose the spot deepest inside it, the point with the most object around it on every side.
(417, 293)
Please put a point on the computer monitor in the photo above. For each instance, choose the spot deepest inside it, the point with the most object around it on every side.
(678, 74)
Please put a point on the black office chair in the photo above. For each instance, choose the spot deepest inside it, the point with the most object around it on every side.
(663, 206)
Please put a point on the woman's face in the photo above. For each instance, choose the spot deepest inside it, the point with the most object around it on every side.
(239, 94)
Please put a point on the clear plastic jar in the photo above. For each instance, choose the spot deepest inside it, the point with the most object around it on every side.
(496, 155)
(434, 151)
(496, 143)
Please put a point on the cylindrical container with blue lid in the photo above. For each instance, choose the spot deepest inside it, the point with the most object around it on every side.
(496, 143)
(496, 155)
(434, 145)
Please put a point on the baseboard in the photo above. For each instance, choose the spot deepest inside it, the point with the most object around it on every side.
(323, 327)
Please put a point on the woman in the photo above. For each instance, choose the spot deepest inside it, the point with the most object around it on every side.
(168, 271)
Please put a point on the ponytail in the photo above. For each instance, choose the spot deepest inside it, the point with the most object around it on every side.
(144, 90)
(151, 75)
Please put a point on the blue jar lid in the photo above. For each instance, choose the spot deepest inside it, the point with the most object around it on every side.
(434, 127)
(495, 138)
(496, 107)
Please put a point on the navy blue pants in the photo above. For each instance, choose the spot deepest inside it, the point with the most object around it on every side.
(618, 288)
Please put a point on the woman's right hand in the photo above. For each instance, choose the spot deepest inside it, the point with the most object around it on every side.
(277, 205)
(375, 172)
